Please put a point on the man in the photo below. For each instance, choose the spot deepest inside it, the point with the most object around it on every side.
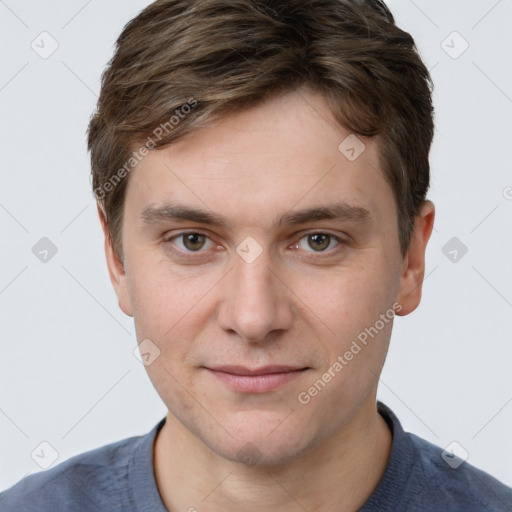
(261, 170)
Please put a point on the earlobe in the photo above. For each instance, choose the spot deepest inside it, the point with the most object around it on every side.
(116, 268)
(413, 267)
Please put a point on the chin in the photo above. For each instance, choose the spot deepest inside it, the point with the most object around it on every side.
(260, 434)
(261, 443)
(260, 452)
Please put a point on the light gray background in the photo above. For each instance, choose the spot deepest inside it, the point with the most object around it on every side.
(68, 374)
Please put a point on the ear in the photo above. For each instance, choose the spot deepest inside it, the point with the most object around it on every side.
(413, 267)
(115, 268)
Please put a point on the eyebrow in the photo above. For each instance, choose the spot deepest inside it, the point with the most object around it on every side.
(175, 211)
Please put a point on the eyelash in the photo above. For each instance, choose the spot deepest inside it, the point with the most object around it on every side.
(199, 253)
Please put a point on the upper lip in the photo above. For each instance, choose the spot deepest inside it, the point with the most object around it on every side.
(264, 370)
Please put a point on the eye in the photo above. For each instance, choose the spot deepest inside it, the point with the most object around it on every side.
(196, 242)
(191, 241)
(318, 241)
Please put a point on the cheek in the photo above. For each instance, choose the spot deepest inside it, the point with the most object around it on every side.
(179, 392)
(172, 310)
(161, 298)
(351, 304)
(348, 299)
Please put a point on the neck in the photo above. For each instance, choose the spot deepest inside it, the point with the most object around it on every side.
(340, 474)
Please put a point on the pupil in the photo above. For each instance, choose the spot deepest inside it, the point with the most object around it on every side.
(321, 240)
(191, 241)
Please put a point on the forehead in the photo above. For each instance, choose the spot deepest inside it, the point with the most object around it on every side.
(253, 165)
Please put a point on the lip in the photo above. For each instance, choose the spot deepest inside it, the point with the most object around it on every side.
(256, 380)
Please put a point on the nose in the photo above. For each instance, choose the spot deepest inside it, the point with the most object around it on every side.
(255, 302)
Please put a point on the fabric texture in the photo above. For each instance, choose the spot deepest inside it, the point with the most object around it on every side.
(120, 477)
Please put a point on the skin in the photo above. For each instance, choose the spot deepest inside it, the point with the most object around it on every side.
(295, 304)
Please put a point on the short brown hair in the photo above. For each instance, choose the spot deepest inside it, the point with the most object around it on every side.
(182, 63)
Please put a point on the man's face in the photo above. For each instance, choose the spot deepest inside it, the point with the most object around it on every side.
(257, 294)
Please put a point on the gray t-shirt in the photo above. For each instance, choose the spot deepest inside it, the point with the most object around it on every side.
(120, 477)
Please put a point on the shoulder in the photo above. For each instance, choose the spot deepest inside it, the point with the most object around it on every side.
(89, 481)
(453, 483)
(418, 478)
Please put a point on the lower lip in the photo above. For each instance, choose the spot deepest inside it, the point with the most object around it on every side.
(256, 383)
